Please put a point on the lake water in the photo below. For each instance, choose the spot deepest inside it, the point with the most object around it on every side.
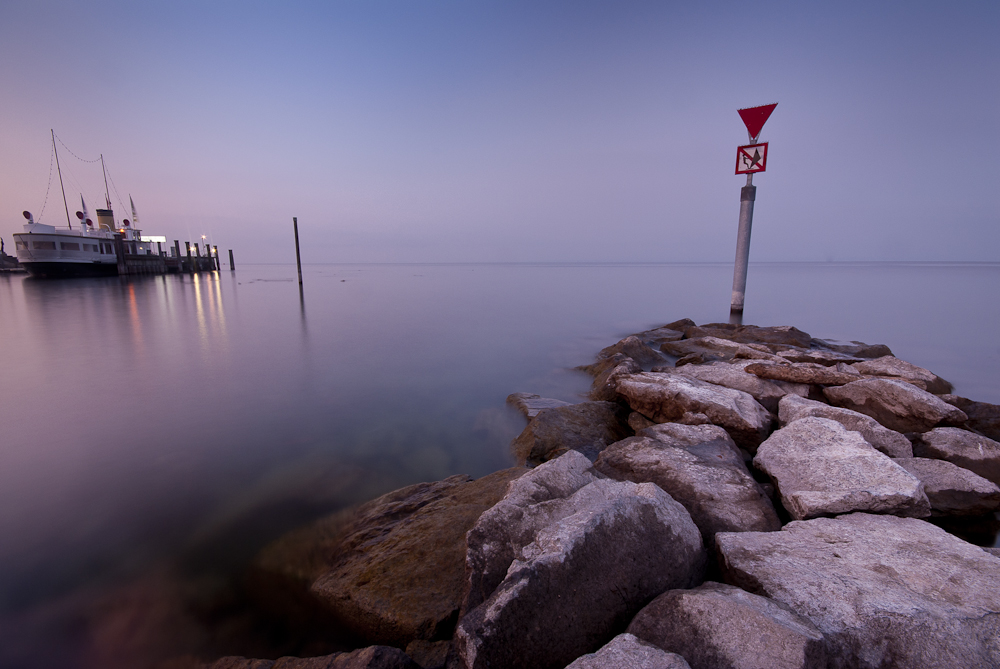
(159, 430)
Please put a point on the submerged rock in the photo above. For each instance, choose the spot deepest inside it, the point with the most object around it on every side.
(665, 397)
(890, 442)
(529, 404)
(953, 490)
(821, 468)
(895, 404)
(587, 427)
(719, 626)
(700, 467)
(966, 449)
(373, 657)
(884, 591)
(565, 560)
(626, 651)
(399, 575)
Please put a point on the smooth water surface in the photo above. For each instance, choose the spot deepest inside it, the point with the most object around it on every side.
(157, 424)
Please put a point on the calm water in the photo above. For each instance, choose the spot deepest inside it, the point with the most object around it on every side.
(167, 425)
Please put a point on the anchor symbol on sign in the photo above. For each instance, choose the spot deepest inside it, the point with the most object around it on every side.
(750, 163)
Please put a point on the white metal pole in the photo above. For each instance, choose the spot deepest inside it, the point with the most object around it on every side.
(747, 196)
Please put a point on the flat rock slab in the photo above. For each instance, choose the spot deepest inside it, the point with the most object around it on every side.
(626, 651)
(734, 375)
(574, 556)
(884, 591)
(373, 657)
(966, 449)
(587, 427)
(700, 467)
(807, 373)
(720, 626)
(888, 441)
(821, 468)
(816, 356)
(953, 490)
(889, 365)
(897, 405)
(529, 404)
(400, 574)
(669, 397)
(984, 417)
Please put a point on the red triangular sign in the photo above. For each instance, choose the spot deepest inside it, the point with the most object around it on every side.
(754, 118)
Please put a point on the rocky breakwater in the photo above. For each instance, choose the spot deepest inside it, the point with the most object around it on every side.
(728, 496)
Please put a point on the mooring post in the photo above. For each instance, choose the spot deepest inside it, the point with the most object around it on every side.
(232, 265)
(298, 259)
(215, 263)
(190, 265)
(747, 196)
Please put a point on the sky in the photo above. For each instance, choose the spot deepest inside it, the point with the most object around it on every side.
(483, 131)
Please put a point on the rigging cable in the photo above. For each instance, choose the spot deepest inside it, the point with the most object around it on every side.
(73, 154)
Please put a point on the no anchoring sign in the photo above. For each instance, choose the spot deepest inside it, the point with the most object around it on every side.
(751, 158)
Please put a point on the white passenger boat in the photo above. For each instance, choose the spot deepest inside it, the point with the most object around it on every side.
(50, 251)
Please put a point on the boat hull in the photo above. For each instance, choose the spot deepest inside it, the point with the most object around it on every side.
(66, 270)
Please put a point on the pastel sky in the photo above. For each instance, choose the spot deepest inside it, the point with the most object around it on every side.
(578, 131)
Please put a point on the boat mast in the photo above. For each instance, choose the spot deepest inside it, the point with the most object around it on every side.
(59, 169)
(107, 195)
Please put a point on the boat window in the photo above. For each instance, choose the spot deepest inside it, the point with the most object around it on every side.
(21, 245)
(44, 246)
(69, 246)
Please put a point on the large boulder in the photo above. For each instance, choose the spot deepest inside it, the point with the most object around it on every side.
(984, 417)
(700, 467)
(606, 374)
(966, 449)
(720, 626)
(635, 348)
(398, 572)
(734, 375)
(714, 348)
(667, 397)
(802, 373)
(953, 490)
(884, 591)
(821, 468)
(587, 427)
(893, 444)
(626, 651)
(816, 357)
(889, 365)
(854, 348)
(561, 565)
(780, 336)
(658, 336)
(530, 404)
(896, 404)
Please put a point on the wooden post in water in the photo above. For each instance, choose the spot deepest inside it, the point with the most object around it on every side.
(190, 265)
(232, 265)
(197, 258)
(218, 263)
(298, 259)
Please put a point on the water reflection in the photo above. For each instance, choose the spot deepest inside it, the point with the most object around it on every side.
(170, 425)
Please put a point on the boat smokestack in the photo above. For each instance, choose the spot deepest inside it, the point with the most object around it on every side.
(106, 219)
